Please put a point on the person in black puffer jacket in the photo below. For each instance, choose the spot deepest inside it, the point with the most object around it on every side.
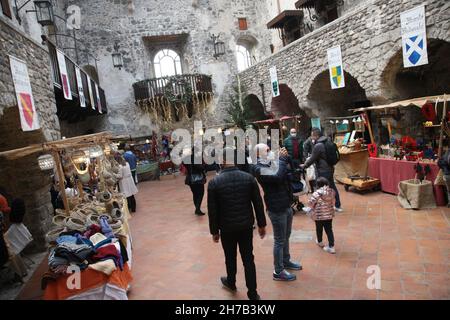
(195, 179)
(273, 178)
(231, 195)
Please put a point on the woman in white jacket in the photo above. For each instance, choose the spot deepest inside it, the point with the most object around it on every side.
(126, 184)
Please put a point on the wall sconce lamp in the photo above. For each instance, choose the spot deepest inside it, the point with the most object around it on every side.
(43, 9)
(219, 46)
(117, 57)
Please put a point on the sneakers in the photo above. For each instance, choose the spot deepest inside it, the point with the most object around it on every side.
(227, 285)
(329, 249)
(320, 244)
(338, 209)
(293, 266)
(284, 276)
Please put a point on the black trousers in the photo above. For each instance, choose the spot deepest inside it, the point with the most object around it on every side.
(230, 242)
(131, 203)
(133, 174)
(328, 226)
(198, 191)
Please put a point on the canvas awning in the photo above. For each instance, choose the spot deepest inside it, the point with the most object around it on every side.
(417, 102)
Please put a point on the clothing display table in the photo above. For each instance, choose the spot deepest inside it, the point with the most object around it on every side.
(351, 164)
(391, 172)
(96, 285)
(147, 171)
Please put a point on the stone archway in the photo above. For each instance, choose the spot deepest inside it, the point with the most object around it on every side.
(256, 108)
(326, 102)
(286, 104)
(401, 83)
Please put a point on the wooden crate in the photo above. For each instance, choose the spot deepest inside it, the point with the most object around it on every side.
(360, 184)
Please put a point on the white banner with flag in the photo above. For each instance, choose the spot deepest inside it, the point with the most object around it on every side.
(64, 76)
(91, 93)
(80, 87)
(414, 37)
(337, 78)
(99, 103)
(274, 82)
(28, 115)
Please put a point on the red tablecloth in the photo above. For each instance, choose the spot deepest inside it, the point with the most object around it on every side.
(391, 172)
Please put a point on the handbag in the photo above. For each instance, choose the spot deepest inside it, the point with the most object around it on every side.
(197, 178)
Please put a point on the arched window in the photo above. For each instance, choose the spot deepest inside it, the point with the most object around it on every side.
(243, 58)
(167, 63)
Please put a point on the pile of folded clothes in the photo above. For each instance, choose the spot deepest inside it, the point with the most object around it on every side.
(97, 248)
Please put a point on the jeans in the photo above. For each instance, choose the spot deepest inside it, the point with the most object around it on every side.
(282, 226)
(198, 190)
(230, 242)
(330, 177)
(131, 203)
(328, 226)
(447, 184)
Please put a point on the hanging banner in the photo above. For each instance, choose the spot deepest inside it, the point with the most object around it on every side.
(315, 123)
(91, 93)
(97, 95)
(80, 88)
(336, 70)
(64, 76)
(274, 81)
(25, 102)
(414, 37)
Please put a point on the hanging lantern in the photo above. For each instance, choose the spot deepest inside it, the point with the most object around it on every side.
(79, 156)
(46, 162)
(219, 46)
(44, 13)
(117, 57)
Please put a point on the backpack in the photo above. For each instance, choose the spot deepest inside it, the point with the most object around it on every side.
(331, 153)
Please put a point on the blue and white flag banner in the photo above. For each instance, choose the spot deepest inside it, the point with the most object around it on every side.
(414, 37)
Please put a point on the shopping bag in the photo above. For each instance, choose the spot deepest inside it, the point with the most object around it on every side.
(310, 173)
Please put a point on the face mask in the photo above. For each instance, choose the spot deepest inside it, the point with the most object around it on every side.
(293, 135)
(271, 156)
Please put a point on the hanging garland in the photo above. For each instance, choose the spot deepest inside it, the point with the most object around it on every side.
(170, 95)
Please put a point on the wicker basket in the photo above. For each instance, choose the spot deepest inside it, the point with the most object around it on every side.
(53, 234)
(117, 214)
(75, 224)
(59, 220)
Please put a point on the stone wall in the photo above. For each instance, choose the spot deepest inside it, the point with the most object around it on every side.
(370, 40)
(131, 21)
(22, 178)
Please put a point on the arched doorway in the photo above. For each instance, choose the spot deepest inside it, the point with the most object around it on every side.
(326, 102)
(401, 83)
(255, 108)
(286, 104)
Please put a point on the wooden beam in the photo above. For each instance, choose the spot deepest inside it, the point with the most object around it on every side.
(61, 179)
(441, 134)
(369, 126)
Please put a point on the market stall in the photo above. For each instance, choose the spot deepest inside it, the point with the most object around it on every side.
(413, 145)
(90, 243)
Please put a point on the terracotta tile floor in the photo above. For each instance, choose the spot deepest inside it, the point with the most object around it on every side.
(175, 258)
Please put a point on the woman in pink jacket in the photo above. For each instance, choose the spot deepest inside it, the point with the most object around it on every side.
(322, 205)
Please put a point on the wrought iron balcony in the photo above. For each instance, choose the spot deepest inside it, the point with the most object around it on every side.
(176, 88)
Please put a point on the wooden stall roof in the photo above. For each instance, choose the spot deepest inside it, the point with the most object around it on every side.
(80, 141)
(279, 21)
(417, 102)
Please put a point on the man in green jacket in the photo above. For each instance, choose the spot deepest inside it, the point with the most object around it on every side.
(294, 146)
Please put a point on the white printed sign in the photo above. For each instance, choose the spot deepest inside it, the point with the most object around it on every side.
(414, 37)
(25, 102)
(337, 78)
(64, 76)
(274, 82)
(80, 88)
(99, 103)
(91, 93)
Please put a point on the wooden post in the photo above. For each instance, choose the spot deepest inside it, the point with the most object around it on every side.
(369, 126)
(389, 130)
(441, 134)
(61, 179)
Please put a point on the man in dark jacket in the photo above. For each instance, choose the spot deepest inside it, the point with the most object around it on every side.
(273, 177)
(231, 195)
(294, 146)
(444, 164)
(319, 158)
(195, 179)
